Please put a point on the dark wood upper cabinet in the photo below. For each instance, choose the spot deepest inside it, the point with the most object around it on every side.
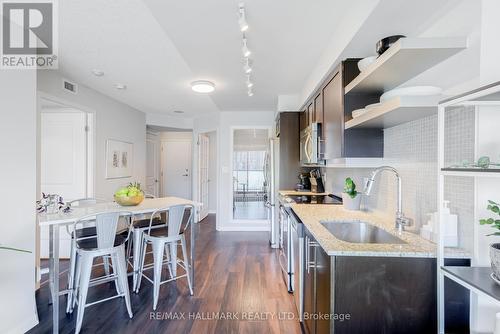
(303, 120)
(318, 108)
(333, 121)
(310, 113)
(332, 108)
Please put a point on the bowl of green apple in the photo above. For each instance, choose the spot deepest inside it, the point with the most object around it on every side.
(130, 196)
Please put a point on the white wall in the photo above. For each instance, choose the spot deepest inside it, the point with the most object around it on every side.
(169, 121)
(114, 120)
(18, 174)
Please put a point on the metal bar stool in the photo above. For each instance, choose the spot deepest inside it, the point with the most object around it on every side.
(106, 242)
(135, 243)
(169, 236)
(87, 230)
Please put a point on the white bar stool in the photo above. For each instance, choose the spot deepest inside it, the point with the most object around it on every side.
(106, 242)
(87, 231)
(134, 245)
(159, 238)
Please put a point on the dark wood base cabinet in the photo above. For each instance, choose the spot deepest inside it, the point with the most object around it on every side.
(384, 295)
(366, 295)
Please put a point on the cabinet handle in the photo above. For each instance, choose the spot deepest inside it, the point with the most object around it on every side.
(310, 264)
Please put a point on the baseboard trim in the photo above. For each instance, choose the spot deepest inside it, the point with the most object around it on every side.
(227, 228)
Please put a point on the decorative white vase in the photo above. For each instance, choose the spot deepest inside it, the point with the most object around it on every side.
(351, 203)
(495, 259)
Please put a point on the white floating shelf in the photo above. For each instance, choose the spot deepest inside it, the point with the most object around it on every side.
(355, 163)
(404, 60)
(395, 111)
(492, 174)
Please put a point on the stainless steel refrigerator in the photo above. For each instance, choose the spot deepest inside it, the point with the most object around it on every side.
(283, 166)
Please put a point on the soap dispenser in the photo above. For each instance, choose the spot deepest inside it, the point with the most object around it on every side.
(449, 224)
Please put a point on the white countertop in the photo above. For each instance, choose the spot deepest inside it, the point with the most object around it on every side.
(147, 206)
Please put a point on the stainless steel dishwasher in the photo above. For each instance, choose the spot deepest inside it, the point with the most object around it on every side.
(297, 256)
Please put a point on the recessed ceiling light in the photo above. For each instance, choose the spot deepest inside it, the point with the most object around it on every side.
(244, 49)
(242, 21)
(250, 92)
(178, 111)
(97, 73)
(120, 86)
(202, 86)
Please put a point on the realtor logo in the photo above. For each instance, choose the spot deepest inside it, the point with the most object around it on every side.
(29, 35)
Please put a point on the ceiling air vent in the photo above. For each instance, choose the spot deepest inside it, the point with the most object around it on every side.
(70, 86)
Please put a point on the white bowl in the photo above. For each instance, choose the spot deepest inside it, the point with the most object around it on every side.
(373, 105)
(358, 112)
(365, 62)
(411, 91)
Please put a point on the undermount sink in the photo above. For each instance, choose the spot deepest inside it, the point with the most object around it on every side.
(360, 232)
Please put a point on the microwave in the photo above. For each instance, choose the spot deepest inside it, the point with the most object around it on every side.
(311, 145)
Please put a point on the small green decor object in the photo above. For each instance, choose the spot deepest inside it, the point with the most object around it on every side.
(350, 188)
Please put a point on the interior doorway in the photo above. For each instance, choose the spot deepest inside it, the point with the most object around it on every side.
(66, 159)
(153, 164)
(250, 149)
(207, 173)
(176, 163)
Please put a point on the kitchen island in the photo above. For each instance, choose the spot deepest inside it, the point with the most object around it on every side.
(353, 287)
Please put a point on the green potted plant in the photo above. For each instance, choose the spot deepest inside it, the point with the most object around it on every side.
(351, 197)
(494, 247)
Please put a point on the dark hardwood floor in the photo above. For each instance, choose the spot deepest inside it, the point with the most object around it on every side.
(237, 279)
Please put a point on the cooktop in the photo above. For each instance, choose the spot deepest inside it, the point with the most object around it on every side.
(315, 199)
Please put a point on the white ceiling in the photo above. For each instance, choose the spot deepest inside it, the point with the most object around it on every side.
(157, 47)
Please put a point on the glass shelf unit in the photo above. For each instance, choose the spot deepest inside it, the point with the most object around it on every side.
(466, 131)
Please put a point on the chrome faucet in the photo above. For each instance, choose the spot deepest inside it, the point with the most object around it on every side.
(401, 220)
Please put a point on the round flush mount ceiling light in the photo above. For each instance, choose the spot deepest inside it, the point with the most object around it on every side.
(120, 86)
(178, 111)
(250, 92)
(97, 73)
(202, 86)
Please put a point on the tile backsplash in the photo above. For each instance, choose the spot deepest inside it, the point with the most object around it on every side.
(412, 149)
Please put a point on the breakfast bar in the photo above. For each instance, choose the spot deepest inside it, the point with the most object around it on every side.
(57, 220)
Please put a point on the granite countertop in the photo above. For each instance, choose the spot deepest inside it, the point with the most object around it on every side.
(295, 192)
(311, 215)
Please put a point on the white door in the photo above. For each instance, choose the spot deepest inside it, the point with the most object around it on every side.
(63, 141)
(152, 168)
(176, 168)
(203, 163)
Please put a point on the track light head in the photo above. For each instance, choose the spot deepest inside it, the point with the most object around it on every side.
(242, 21)
(249, 82)
(244, 49)
(247, 68)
